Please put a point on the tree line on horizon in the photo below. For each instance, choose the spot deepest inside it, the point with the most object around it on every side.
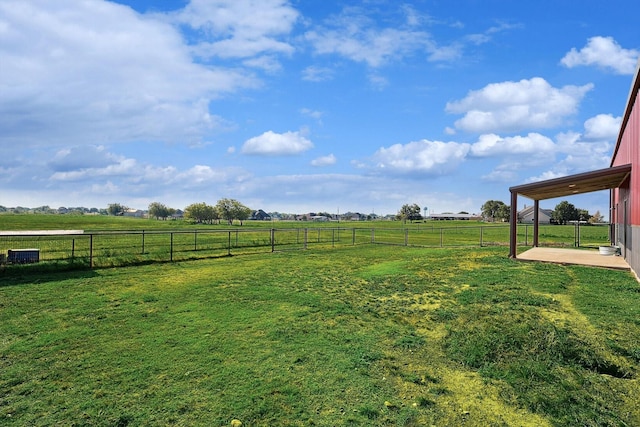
(563, 213)
(201, 213)
(230, 209)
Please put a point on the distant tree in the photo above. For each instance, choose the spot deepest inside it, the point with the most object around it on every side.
(463, 213)
(241, 212)
(230, 209)
(504, 213)
(583, 215)
(116, 209)
(565, 212)
(225, 210)
(596, 218)
(160, 211)
(201, 213)
(409, 212)
(43, 209)
(495, 210)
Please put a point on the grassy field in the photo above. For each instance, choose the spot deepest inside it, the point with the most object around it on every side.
(370, 335)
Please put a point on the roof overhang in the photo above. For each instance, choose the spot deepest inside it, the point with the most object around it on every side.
(602, 179)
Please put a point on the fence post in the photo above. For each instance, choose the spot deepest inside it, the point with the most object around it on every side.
(306, 235)
(171, 248)
(526, 235)
(406, 237)
(333, 237)
(91, 250)
(73, 248)
(195, 240)
(142, 242)
(373, 235)
(353, 236)
(441, 241)
(273, 240)
(481, 228)
(229, 244)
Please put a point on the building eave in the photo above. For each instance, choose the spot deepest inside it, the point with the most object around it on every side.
(602, 179)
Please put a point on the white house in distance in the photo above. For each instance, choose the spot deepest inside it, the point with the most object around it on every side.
(526, 215)
(453, 217)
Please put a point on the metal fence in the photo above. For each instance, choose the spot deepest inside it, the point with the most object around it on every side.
(114, 248)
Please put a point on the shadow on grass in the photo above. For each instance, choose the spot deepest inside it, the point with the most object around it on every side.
(14, 275)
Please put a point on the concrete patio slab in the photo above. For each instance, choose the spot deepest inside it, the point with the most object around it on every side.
(586, 257)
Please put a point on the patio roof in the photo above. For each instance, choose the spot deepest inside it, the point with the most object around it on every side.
(602, 179)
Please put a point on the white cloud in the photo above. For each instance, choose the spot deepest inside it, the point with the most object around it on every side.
(373, 47)
(582, 155)
(267, 63)
(354, 36)
(602, 126)
(239, 29)
(422, 157)
(277, 144)
(378, 82)
(494, 145)
(94, 72)
(485, 37)
(124, 167)
(413, 17)
(578, 153)
(513, 106)
(324, 161)
(314, 114)
(500, 174)
(603, 52)
(545, 176)
(202, 175)
(317, 74)
(81, 157)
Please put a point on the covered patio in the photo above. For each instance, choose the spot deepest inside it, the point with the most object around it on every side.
(598, 180)
(588, 257)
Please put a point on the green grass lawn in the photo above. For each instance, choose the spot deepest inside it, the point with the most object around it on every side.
(365, 335)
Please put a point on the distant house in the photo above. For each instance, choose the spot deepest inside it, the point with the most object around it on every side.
(452, 217)
(354, 216)
(312, 216)
(260, 215)
(545, 216)
(137, 213)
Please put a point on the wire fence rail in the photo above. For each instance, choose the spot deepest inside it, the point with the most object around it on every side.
(118, 248)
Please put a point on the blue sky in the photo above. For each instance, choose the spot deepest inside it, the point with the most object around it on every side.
(307, 106)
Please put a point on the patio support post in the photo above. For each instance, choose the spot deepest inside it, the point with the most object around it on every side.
(536, 222)
(513, 225)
